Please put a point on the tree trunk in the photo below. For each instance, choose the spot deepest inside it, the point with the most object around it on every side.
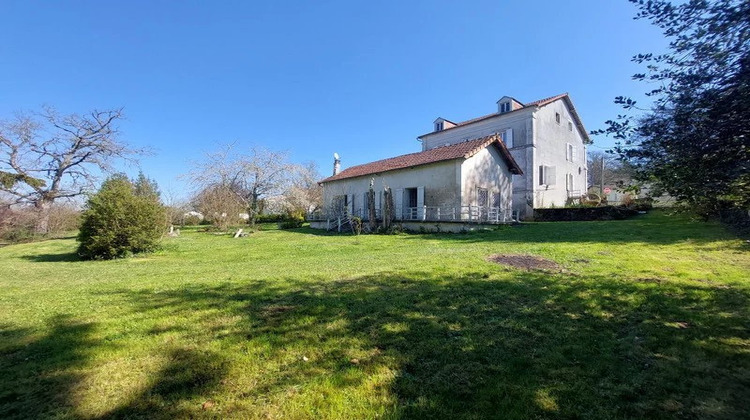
(387, 209)
(42, 221)
(371, 210)
(253, 213)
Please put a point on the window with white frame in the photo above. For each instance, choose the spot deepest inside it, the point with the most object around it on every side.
(570, 126)
(482, 197)
(546, 175)
(439, 126)
(557, 117)
(339, 204)
(497, 199)
(569, 182)
(507, 137)
(505, 107)
(570, 152)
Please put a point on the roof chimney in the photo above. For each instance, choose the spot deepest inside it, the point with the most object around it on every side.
(336, 164)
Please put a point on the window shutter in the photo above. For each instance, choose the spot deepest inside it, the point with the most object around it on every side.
(542, 174)
(398, 202)
(420, 196)
(508, 137)
(575, 157)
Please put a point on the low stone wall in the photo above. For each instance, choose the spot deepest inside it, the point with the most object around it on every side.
(454, 227)
(569, 214)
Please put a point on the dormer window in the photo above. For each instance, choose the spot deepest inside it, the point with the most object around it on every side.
(439, 126)
(505, 107)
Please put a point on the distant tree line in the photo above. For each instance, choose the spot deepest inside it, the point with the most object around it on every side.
(49, 161)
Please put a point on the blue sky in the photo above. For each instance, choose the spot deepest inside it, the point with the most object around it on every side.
(363, 79)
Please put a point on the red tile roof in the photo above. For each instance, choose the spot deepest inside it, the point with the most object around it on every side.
(462, 150)
(545, 101)
(540, 102)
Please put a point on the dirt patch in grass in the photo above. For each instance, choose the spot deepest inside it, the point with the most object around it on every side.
(525, 262)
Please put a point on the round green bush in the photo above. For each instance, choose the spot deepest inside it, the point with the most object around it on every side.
(120, 220)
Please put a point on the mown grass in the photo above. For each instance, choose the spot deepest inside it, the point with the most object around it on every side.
(649, 318)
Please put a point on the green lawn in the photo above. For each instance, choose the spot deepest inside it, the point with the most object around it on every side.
(649, 318)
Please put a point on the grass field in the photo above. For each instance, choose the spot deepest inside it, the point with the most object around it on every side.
(649, 317)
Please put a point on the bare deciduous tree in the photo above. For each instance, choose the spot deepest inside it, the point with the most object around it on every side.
(219, 205)
(50, 156)
(251, 177)
(305, 194)
(616, 172)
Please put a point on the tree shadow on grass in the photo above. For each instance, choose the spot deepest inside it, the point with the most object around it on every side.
(42, 375)
(39, 373)
(469, 346)
(189, 373)
(61, 257)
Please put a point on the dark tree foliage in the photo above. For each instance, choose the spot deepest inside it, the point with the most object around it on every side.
(120, 220)
(694, 142)
(146, 187)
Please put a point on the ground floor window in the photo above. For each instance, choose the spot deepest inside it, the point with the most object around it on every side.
(497, 199)
(339, 203)
(411, 195)
(482, 197)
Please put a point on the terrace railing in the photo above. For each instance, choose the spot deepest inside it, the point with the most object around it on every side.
(470, 214)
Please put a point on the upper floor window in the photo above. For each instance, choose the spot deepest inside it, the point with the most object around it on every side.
(507, 137)
(570, 152)
(570, 126)
(557, 117)
(439, 126)
(505, 107)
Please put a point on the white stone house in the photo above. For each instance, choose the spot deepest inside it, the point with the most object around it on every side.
(469, 181)
(488, 169)
(547, 139)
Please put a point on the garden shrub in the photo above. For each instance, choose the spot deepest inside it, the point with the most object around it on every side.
(193, 220)
(293, 219)
(641, 204)
(270, 218)
(356, 223)
(118, 221)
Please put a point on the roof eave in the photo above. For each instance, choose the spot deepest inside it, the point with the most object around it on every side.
(487, 117)
(388, 170)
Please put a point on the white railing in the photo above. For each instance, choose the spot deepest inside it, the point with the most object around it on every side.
(472, 214)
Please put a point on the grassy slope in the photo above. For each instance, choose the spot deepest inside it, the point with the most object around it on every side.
(650, 318)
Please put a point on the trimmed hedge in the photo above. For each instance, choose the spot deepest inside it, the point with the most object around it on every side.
(270, 218)
(737, 219)
(569, 214)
